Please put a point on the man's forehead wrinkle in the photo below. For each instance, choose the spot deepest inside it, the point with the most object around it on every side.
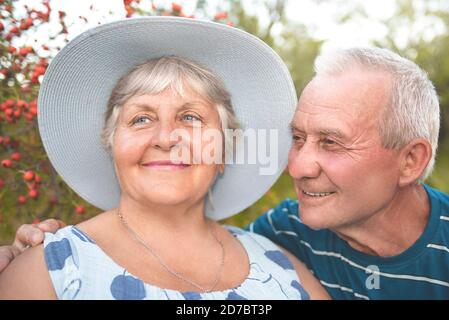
(315, 109)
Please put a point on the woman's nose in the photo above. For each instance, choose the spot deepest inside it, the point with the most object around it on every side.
(164, 138)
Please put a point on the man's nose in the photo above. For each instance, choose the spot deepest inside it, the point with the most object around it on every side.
(304, 161)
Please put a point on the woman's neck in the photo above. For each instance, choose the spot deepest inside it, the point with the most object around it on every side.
(162, 220)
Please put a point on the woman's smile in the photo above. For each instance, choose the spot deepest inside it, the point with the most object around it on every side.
(165, 165)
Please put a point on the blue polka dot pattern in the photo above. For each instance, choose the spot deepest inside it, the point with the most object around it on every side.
(56, 253)
(304, 295)
(127, 288)
(80, 269)
(235, 296)
(279, 258)
(191, 295)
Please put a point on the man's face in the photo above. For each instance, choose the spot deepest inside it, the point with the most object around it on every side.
(341, 173)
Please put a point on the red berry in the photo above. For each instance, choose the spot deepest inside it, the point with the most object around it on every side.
(33, 111)
(14, 29)
(17, 114)
(21, 104)
(33, 193)
(80, 209)
(28, 175)
(9, 103)
(23, 51)
(176, 7)
(37, 178)
(9, 112)
(221, 15)
(22, 199)
(12, 49)
(7, 163)
(16, 156)
(29, 22)
(2, 183)
(33, 185)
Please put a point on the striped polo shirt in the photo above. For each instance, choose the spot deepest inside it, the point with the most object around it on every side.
(420, 272)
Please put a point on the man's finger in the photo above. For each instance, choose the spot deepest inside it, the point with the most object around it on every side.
(28, 235)
(51, 225)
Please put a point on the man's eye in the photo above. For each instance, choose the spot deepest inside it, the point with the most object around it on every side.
(298, 138)
(329, 142)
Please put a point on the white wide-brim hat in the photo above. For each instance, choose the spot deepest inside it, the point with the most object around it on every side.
(76, 87)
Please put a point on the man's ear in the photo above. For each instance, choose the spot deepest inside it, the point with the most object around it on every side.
(414, 159)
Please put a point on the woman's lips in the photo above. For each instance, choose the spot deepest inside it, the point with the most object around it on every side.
(165, 165)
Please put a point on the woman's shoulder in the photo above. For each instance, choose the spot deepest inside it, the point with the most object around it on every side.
(84, 232)
(27, 277)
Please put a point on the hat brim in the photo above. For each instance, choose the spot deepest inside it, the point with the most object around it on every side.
(77, 85)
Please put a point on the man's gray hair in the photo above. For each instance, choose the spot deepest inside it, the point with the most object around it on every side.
(413, 111)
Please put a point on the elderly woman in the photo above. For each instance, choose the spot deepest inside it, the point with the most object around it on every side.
(156, 238)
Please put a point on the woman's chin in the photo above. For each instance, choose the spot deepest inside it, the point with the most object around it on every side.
(168, 198)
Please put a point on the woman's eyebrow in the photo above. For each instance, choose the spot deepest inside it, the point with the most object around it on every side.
(142, 106)
(191, 104)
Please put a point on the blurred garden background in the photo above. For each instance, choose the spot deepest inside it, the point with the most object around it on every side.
(33, 31)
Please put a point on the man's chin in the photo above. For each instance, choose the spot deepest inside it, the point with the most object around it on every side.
(314, 221)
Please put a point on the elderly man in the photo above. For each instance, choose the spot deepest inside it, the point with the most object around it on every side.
(365, 135)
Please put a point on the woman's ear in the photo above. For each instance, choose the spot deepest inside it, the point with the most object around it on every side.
(415, 158)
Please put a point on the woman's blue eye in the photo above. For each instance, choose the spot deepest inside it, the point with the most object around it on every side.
(141, 120)
(189, 117)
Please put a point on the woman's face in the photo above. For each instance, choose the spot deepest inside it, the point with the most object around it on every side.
(147, 146)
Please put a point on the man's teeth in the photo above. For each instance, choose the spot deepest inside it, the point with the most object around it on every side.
(317, 194)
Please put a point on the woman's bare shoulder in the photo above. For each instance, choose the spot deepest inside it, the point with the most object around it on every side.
(27, 277)
(99, 225)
